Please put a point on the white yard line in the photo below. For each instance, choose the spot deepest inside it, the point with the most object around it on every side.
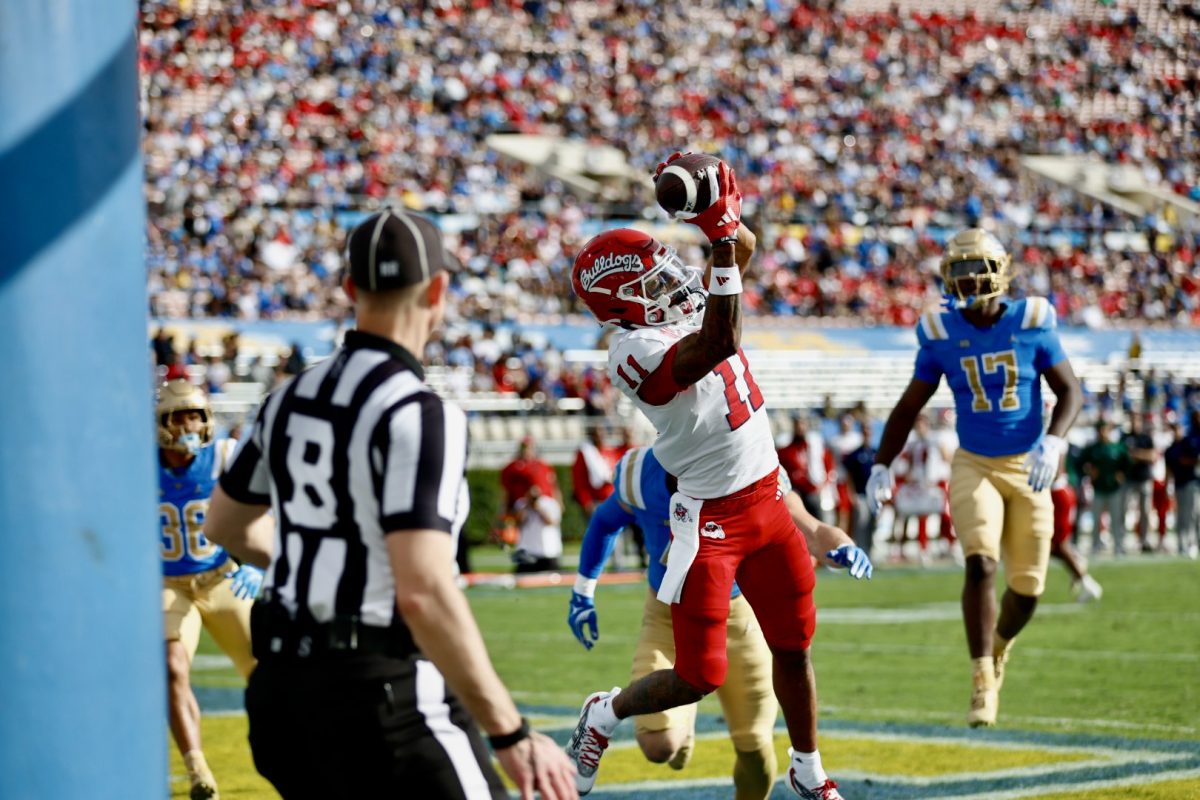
(924, 612)
(206, 662)
(954, 719)
(1085, 786)
(1047, 652)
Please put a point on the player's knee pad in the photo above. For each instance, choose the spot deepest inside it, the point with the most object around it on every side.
(657, 747)
(1028, 585)
(704, 672)
(754, 772)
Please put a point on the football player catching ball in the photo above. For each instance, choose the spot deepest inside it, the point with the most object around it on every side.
(676, 354)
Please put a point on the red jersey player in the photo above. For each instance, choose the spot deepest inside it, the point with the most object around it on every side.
(676, 355)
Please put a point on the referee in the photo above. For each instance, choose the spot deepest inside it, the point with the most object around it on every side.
(367, 650)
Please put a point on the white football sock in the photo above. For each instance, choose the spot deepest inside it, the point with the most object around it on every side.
(809, 772)
(602, 716)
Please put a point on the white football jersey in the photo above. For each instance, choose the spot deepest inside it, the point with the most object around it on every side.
(714, 436)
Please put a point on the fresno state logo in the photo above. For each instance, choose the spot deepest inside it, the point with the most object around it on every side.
(681, 513)
(607, 265)
(712, 530)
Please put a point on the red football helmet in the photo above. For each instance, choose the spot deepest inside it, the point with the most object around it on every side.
(631, 279)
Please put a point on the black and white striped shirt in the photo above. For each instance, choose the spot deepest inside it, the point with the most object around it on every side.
(351, 450)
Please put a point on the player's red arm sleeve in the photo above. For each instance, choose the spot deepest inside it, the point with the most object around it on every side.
(660, 386)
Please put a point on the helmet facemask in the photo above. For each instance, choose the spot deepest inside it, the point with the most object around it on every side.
(973, 282)
(175, 435)
(670, 291)
(975, 268)
(177, 396)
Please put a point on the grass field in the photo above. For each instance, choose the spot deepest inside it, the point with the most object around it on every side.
(1100, 701)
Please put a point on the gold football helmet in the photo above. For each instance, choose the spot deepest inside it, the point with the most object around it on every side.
(975, 268)
(182, 395)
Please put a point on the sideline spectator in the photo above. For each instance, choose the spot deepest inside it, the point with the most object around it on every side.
(808, 464)
(1181, 458)
(592, 472)
(1139, 445)
(539, 517)
(523, 473)
(857, 466)
(1106, 463)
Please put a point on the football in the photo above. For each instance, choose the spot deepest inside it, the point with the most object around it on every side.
(688, 185)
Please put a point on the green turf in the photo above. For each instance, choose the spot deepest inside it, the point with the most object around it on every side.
(1124, 667)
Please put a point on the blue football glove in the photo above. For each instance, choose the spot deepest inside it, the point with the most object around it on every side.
(247, 580)
(852, 558)
(583, 612)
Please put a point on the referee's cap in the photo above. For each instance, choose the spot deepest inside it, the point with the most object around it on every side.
(394, 249)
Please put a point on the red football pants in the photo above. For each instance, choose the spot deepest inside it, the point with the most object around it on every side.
(764, 551)
(1064, 512)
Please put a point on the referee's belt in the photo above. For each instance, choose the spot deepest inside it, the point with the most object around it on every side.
(274, 635)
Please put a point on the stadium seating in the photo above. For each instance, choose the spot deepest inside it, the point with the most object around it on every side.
(843, 137)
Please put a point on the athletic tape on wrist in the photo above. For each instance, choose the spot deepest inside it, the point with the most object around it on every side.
(585, 586)
(725, 280)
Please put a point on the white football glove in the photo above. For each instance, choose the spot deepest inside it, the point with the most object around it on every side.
(852, 558)
(1043, 460)
(880, 487)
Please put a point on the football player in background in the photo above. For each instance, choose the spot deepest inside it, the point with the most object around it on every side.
(1064, 498)
(202, 585)
(749, 706)
(994, 352)
(685, 371)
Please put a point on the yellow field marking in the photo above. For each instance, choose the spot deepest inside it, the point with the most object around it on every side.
(913, 758)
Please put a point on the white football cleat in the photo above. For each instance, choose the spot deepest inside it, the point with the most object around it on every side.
(1089, 590)
(826, 791)
(588, 744)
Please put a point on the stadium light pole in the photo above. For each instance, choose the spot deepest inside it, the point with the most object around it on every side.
(82, 681)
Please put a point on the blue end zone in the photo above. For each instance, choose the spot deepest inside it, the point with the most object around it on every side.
(1148, 757)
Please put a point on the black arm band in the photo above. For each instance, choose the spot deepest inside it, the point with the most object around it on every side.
(509, 739)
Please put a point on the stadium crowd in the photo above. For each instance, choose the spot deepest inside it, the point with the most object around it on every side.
(857, 135)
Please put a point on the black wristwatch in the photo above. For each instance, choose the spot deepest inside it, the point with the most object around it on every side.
(509, 739)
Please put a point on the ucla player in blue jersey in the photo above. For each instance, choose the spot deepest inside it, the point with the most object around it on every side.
(642, 496)
(202, 585)
(994, 352)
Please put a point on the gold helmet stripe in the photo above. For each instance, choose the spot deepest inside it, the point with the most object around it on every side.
(934, 327)
(633, 477)
(1035, 312)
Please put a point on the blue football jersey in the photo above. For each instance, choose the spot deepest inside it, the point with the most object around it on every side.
(182, 505)
(995, 374)
(641, 484)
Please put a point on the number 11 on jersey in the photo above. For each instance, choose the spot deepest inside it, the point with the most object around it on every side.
(738, 410)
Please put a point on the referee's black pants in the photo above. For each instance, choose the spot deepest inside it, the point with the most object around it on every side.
(364, 726)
